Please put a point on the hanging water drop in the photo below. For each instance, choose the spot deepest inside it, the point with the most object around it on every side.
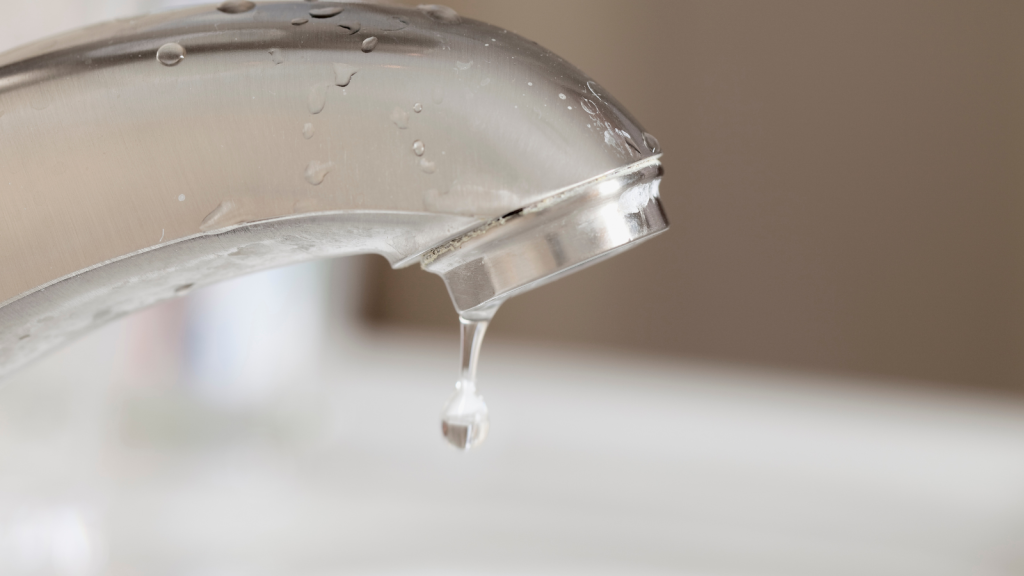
(652, 143)
(417, 108)
(308, 130)
(427, 166)
(464, 420)
(276, 55)
(418, 148)
(325, 12)
(316, 171)
(236, 6)
(170, 54)
(369, 44)
(299, 21)
(440, 13)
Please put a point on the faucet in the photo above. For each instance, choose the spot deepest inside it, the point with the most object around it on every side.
(145, 157)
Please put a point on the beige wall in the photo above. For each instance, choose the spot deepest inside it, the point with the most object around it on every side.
(844, 181)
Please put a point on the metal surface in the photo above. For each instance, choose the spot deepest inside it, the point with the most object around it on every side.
(125, 180)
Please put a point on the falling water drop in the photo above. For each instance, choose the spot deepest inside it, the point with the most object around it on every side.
(464, 420)
(418, 148)
(236, 6)
(369, 44)
(316, 171)
(170, 54)
(350, 27)
(308, 130)
(343, 74)
(400, 118)
(440, 13)
(299, 21)
(427, 166)
(325, 12)
(276, 55)
(417, 108)
(317, 98)
(652, 143)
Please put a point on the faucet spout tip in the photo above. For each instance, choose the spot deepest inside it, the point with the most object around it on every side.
(565, 232)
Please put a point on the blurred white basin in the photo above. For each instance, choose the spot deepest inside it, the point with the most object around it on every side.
(597, 463)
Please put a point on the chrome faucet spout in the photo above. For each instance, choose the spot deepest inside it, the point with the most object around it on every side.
(144, 157)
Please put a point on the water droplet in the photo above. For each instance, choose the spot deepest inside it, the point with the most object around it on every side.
(589, 106)
(418, 148)
(464, 420)
(235, 6)
(438, 95)
(308, 130)
(317, 98)
(369, 44)
(343, 73)
(316, 171)
(629, 140)
(25, 337)
(181, 197)
(440, 13)
(562, 96)
(570, 107)
(227, 213)
(276, 55)
(529, 83)
(325, 12)
(427, 166)
(350, 27)
(395, 24)
(463, 65)
(652, 143)
(400, 118)
(183, 288)
(417, 108)
(170, 54)
(299, 21)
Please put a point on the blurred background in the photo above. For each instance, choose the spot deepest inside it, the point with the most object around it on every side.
(816, 371)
